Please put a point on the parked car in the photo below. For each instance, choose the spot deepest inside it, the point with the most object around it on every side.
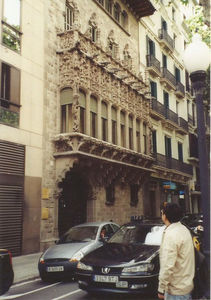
(128, 263)
(60, 261)
(6, 271)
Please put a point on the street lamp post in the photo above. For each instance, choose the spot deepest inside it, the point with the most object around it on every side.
(196, 60)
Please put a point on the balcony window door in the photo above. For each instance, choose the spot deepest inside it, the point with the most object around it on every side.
(180, 152)
(164, 60)
(153, 86)
(177, 75)
(163, 24)
(114, 125)
(104, 118)
(154, 141)
(122, 126)
(168, 146)
(150, 47)
(93, 116)
(66, 101)
(82, 107)
(138, 141)
(130, 132)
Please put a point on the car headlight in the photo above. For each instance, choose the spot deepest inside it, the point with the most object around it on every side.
(139, 268)
(77, 256)
(82, 266)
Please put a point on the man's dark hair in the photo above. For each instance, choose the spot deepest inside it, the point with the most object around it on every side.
(173, 212)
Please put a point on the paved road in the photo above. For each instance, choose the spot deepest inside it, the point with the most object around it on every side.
(38, 290)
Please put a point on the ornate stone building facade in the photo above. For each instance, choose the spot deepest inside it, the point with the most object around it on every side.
(98, 143)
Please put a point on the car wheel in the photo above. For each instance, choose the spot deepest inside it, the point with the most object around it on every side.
(44, 278)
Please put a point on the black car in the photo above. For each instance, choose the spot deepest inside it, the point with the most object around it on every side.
(128, 263)
(6, 271)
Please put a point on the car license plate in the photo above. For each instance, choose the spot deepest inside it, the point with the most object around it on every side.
(55, 269)
(122, 284)
(102, 278)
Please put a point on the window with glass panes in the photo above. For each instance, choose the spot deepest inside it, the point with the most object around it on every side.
(104, 119)
(11, 34)
(130, 132)
(153, 86)
(138, 141)
(180, 151)
(154, 141)
(93, 116)
(108, 6)
(66, 101)
(117, 12)
(145, 137)
(69, 17)
(82, 108)
(122, 128)
(114, 124)
(168, 146)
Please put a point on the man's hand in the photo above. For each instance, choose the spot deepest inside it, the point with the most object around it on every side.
(160, 296)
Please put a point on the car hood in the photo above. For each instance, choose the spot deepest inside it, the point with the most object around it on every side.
(69, 249)
(113, 254)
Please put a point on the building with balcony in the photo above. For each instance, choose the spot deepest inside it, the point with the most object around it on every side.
(21, 124)
(173, 109)
(95, 114)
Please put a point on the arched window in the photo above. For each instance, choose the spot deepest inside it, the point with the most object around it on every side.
(114, 124)
(117, 11)
(69, 17)
(82, 105)
(130, 132)
(66, 101)
(104, 118)
(122, 126)
(93, 116)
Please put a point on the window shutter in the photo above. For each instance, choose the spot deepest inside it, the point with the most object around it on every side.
(66, 96)
(93, 104)
(14, 85)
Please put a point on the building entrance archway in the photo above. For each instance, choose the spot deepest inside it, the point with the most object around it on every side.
(72, 201)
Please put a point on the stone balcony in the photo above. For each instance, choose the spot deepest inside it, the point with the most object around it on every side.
(168, 79)
(165, 40)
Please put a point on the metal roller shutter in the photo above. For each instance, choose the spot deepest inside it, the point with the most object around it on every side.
(12, 157)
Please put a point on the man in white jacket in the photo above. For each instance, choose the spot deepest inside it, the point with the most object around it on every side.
(177, 263)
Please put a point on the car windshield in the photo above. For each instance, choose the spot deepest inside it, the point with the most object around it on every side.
(129, 234)
(80, 234)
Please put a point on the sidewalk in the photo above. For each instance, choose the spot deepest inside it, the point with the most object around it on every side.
(25, 267)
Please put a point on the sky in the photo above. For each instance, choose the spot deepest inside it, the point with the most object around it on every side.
(12, 11)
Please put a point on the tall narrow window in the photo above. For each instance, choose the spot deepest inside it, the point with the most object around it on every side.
(66, 100)
(124, 19)
(168, 146)
(166, 99)
(69, 17)
(153, 86)
(108, 6)
(180, 152)
(145, 138)
(110, 194)
(130, 132)
(154, 141)
(117, 12)
(11, 35)
(122, 126)
(193, 112)
(151, 47)
(93, 116)
(177, 107)
(173, 13)
(82, 107)
(93, 31)
(164, 59)
(104, 118)
(163, 24)
(177, 74)
(138, 140)
(114, 125)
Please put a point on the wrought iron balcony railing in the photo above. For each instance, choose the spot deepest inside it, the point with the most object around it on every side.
(180, 89)
(172, 163)
(166, 74)
(9, 117)
(152, 61)
(183, 123)
(163, 35)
